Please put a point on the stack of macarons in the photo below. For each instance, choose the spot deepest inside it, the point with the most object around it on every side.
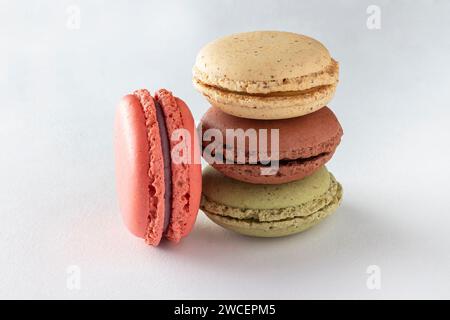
(270, 89)
(266, 136)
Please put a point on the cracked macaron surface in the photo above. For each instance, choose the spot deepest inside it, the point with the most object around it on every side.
(269, 210)
(304, 145)
(266, 74)
(158, 197)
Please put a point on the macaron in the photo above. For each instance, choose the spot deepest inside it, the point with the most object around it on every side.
(159, 195)
(301, 145)
(269, 210)
(266, 74)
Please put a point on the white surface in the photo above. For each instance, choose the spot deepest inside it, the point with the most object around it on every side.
(59, 89)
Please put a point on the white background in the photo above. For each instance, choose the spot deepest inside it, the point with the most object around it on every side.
(58, 207)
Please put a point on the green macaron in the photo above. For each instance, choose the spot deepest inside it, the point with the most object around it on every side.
(269, 210)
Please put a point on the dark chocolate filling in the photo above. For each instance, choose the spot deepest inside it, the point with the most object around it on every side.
(281, 162)
(165, 146)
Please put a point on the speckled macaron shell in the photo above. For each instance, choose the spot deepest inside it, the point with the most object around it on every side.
(238, 194)
(269, 210)
(266, 74)
(262, 62)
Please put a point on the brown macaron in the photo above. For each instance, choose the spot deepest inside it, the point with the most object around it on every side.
(304, 145)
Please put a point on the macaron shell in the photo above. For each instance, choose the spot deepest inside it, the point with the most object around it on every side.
(133, 172)
(265, 61)
(276, 228)
(195, 168)
(292, 171)
(300, 137)
(234, 193)
(185, 176)
(156, 187)
(268, 107)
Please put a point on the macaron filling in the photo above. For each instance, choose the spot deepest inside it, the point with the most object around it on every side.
(274, 94)
(165, 147)
(288, 168)
(270, 161)
(180, 171)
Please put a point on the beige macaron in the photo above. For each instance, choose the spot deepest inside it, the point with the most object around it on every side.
(266, 74)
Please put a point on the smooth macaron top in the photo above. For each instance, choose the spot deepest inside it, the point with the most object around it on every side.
(265, 61)
(133, 166)
(301, 137)
(237, 194)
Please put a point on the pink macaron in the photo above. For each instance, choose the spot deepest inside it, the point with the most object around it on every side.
(159, 187)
